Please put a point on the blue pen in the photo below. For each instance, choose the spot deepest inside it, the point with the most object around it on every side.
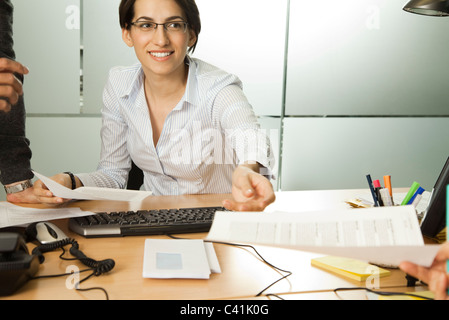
(420, 191)
(371, 187)
(410, 193)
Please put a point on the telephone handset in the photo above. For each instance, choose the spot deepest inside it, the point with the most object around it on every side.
(17, 266)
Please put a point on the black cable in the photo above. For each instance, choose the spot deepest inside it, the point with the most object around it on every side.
(383, 293)
(97, 267)
(77, 284)
(289, 273)
(44, 248)
(268, 295)
(58, 275)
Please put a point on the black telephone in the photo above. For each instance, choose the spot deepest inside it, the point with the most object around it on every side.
(17, 266)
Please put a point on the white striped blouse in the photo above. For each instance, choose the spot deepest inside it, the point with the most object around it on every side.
(211, 131)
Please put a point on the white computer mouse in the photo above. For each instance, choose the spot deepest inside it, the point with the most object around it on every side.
(47, 232)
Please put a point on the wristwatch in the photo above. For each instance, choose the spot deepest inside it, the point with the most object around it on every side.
(19, 187)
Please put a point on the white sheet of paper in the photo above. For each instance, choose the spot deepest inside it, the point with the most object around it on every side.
(91, 193)
(12, 215)
(385, 235)
(212, 258)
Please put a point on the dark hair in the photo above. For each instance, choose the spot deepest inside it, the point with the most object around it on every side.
(189, 7)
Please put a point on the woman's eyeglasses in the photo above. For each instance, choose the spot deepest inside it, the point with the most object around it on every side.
(171, 27)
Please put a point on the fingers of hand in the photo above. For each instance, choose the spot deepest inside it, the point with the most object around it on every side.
(4, 105)
(44, 195)
(438, 285)
(10, 88)
(415, 271)
(8, 65)
(250, 205)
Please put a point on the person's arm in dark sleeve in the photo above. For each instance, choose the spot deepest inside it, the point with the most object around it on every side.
(15, 153)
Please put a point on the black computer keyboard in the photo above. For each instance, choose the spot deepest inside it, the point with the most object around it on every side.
(145, 222)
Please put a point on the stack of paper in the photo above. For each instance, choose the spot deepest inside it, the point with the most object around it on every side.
(350, 268)
(13, 215)
(171, 259)
(383, 235)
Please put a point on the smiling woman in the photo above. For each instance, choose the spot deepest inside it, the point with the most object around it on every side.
(192, 17)
(185, 123)
(155, 45)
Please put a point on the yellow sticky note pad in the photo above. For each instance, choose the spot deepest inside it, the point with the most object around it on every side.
(350, 268)
(423, 294)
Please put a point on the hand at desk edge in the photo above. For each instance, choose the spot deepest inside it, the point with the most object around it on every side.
(251, 190)
(25, 196)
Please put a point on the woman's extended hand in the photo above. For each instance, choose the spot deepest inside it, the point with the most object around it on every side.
(251, 191)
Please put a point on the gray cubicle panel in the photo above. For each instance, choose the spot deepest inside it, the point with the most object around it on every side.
(60, 145)
(338, 153)
(103, 48)
(365, 57)
(47, 41)
(247, 38)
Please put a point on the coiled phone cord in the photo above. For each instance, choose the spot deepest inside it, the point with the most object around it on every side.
(98, 267)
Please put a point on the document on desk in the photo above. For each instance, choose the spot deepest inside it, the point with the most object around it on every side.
(91, 193)
(382, 235)
(12, 215)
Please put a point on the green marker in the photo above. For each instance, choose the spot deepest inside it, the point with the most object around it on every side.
(410, 193)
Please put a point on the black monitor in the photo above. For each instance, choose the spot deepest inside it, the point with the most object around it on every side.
(434, 220)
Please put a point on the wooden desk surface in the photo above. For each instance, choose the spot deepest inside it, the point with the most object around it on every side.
(243, 273)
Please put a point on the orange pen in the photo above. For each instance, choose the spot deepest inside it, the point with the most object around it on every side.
(387, 181)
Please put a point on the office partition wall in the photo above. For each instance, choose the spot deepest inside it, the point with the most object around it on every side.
(365, 58)
(366, 92)
(103, 48)
(338, 153)
(47, 40)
